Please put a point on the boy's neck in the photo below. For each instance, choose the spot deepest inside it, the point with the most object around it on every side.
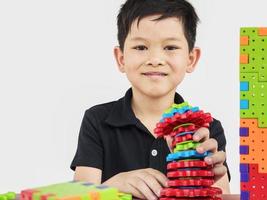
(147, 106)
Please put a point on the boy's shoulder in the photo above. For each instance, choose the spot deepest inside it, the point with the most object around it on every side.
(108, 112)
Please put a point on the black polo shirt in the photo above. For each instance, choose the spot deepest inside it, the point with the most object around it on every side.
(112, 139)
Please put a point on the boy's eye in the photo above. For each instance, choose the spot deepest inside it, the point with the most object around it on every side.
(140, 48)
(171, 48)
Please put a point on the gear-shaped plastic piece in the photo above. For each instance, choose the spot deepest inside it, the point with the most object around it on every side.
(186, 146)
(190, 173)
(190, 198)
(186, 164)
(191, 182)
(199, 119)
(182, 138)
(186, 154)
(203, 192)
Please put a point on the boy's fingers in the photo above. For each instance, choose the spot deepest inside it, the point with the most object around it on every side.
(217, 158)
(152, 183)
(201, 134)
(141, 187)
(161, 178)
(219, 170)
(134, 191)
(208, 145)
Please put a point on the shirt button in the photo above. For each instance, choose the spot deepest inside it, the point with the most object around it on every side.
(154, 152)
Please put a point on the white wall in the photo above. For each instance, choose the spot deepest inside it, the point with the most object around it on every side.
(56, 61)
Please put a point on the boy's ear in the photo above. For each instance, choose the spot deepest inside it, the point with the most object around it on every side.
(194, 56)
(118, 54)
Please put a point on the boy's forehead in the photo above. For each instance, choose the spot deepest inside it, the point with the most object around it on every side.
(170, 28)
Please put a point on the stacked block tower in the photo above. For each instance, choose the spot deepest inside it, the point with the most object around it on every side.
(253, 113)
(73, 191)
(189, 175)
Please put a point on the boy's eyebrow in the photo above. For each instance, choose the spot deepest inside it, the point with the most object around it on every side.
(166, 39)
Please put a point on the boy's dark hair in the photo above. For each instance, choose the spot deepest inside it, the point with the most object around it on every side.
(138, 9)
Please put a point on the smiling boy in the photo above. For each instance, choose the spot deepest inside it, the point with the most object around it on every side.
(117, 146)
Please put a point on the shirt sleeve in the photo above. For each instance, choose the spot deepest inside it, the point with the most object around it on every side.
(89, 150)
(217, 132)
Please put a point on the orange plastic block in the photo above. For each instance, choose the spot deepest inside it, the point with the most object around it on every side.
(244, 40)
(256, 141)
(262, 31)
(244, 59)
(69, 198)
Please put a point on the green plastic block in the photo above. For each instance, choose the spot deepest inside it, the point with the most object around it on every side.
(73, 191)
(183, 146)
(8, 196)
(254, 72)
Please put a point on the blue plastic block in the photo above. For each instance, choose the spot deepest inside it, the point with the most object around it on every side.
(244, 177)
(244, 86)
(179, 110)
(244, 168)
(244, 149)
(244, 104)
(190, 154)
(184, 133)
(244, 195)
(244, 131)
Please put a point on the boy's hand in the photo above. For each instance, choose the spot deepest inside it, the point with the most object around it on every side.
(142, 183)
(209, 144)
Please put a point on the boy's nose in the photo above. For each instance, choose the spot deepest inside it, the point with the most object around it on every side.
(155, 62)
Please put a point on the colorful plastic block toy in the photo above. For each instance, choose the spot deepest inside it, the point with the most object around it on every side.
(8, 196)
(189, 175)
(73, 191)
(253, 113)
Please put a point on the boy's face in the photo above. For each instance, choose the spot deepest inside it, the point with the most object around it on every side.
(156, 56)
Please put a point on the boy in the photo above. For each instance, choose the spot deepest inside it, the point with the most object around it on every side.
(117, 146)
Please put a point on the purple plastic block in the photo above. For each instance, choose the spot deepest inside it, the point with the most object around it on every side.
(244, 195)
(244, 177)
(243, 149)
(244, 168)
(243, 131)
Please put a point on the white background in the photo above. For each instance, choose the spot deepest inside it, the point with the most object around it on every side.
(56, 60)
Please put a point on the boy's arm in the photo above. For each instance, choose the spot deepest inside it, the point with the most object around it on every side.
(89, 174)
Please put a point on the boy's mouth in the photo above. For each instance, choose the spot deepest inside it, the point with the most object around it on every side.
(154, 74)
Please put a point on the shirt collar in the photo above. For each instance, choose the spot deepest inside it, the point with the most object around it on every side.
(122, 114)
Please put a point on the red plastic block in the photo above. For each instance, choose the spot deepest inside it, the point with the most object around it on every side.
(186, 164)
(202, 198)
(203, 192)
(186, 173)
(181, 129)
(257, 183)
(199, 119)
(182, 138)
(191, 182)
(27, 194)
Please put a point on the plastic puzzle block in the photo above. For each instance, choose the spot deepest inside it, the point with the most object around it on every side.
(203, 192)
(191, 182)
(182, 138)
(256, 184)
(190, 173)
(191, 198)
(243, 131)
(186, 164)
(257, 144)
(73, 191)
(244, 149)
(253, 113)
(183, 146)
(8, 196)
(186, 154)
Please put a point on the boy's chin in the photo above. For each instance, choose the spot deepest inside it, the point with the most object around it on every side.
(158, 92)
